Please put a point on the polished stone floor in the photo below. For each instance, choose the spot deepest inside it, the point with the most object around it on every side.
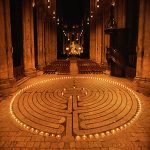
(75, 112)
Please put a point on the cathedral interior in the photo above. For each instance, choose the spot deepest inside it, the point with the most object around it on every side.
(74, 74)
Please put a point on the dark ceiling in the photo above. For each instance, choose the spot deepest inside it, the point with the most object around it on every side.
(72, 11)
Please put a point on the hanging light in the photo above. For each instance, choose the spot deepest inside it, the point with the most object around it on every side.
(88, 21)
(91, 14)
(48, 4)
(58, 21)
(33, 3)
(54, 15)
(97, 3)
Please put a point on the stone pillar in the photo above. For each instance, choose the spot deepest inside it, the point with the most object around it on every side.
(49, 43)
(106, 37)
(98, 39)
(43, 38)
(121, 13)
(28, 39)
(143, 49)
(6, 60)
(92, 31)
(53, 32)
(46, 30)
(40, 23)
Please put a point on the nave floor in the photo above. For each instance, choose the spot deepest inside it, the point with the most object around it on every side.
(96, 112)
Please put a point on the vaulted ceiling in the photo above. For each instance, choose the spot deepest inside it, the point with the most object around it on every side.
(72, 12)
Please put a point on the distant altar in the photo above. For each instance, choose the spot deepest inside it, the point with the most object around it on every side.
(75, 49)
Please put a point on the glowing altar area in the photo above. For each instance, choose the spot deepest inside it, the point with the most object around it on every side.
(74, 49)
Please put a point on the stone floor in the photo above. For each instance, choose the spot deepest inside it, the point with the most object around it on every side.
(96, 112)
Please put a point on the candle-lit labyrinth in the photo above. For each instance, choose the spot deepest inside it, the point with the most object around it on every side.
(74, 108)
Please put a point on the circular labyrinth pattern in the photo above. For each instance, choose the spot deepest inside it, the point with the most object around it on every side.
(80, 107)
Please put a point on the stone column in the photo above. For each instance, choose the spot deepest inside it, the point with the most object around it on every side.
(43, 38)
(106, 37)
(6, 60)
(40, 22)
(143, 49)
(98, 39)
(121, 13)
(92, 31)
(49, 43)
(53, 32)
(28, 39)
(46, 42)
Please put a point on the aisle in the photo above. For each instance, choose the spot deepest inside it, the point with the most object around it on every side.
(73, 67)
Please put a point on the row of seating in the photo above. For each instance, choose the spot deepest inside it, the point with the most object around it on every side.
(58, 67)
(84, 67)
(88, 67)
